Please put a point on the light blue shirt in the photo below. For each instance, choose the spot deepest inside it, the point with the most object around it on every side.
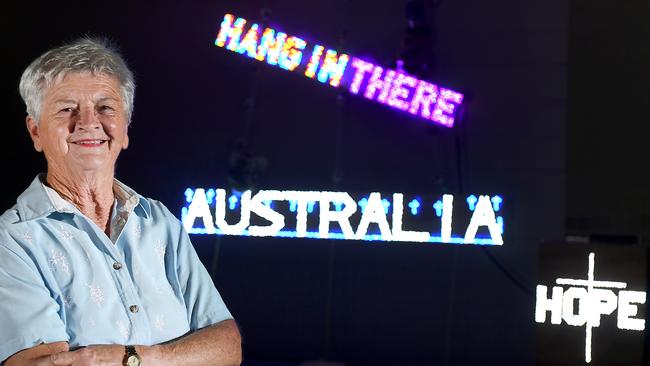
(63, 279)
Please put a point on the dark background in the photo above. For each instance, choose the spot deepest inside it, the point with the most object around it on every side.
(555, 122)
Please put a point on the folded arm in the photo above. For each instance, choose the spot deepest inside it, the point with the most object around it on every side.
(215, 345)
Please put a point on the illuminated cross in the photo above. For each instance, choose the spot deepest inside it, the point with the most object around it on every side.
(595, 299)
(590, 283)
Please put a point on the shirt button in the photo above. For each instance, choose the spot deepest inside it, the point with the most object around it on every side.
(134, 308)
(117, 266)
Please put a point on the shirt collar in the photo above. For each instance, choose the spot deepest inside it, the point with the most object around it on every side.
(39, 200)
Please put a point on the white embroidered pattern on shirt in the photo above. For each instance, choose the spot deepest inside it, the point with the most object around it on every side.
(58, 261)
(138, 230)
(124, 330)
(159, 322)
(67, 234)
(96, 295)
(27, 237)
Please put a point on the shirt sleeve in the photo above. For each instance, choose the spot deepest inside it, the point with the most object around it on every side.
(202, 299)
(28, 314)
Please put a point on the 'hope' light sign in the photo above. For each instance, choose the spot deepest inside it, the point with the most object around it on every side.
(595, 299)
(390, 87)
(273, 213)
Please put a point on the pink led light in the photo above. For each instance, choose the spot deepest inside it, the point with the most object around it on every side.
(362, 68)
(312, 66)
(446, 107)
(391, 87)
(425, 95)
(377, 82)
(398, 93)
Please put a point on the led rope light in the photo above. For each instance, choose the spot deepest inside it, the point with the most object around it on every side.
(273, 213)
(595, 299)
(390, 87)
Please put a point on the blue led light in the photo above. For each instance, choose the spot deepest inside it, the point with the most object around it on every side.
(386, 204)
(339, 236)
(232, 202)
(189, 194)
(338, 206)
(363, 203)
(209, 195)
(496, 202)
(340, 202)
(415, 206)
(269, 203)
(438, 207)
(310, 206)
(471, 202)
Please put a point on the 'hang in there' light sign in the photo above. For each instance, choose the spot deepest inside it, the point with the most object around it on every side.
(393, 88)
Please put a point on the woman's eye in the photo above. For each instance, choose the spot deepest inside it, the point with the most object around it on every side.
(69, 109)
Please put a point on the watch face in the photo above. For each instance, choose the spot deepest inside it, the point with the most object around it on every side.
(133, 361)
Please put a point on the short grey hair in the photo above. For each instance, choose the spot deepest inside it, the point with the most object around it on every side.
(87, 54)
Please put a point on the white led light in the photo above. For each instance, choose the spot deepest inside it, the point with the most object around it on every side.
(374, 212)
(398, 233)
(374, 209)
(626, 310)
(595, 299)
(302, 199)
(447, 212)
(342, 217)
(554, 305)
(220, 213)
(602, 301)
(199, 209)
(266, 212)
(579, 318)
(484, 216)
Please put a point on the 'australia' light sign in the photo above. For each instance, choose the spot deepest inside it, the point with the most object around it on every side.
(336, 215)
(390, 87)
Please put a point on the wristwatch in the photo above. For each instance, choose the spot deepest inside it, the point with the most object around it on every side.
(131, 357)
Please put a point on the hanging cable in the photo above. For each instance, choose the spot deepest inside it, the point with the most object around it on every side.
(337, 176)
(244, 167)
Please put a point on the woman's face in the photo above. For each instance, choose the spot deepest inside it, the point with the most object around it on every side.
(83, 125)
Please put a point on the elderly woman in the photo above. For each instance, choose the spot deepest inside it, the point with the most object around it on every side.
(92, 273)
